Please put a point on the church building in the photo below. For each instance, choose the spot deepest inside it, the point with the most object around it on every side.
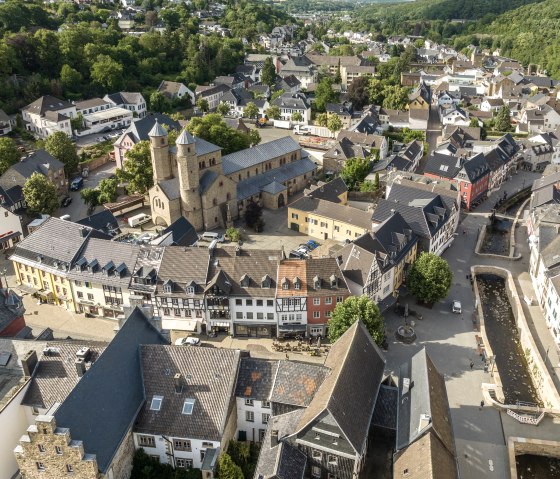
(193, 179)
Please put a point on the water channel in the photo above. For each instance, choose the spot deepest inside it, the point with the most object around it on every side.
(497, 237)
(501, 331)
(537, 467)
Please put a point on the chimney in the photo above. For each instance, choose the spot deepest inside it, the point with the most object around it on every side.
(80, 366)
(238, 251)
(274, 438)
(178, 382)
(83, 232)
(29, 362)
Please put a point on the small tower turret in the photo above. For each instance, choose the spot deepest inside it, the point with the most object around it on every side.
(159, 149)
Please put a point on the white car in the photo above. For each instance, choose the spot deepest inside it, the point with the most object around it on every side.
(188, 341)
(456, 307)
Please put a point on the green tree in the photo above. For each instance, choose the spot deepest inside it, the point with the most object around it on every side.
(358, 92)
(368, 187)
(322, 119)
(429, 278)
(251, 110)
(273, 112)
(70, 78)
(395, 97)
(353, 309)
(223, 109)
(254, 137)
(233, 234)
(137, 168)
(376, 181)
(297, 117)
(90, 196)
(354, 172)
(375, 91)
(202, 105)
(253, 215)
(334, 123)
(159, 102)
(107, 73)
(276, 94)
(108, 190)
(227, 469)
(213, 128)
(78, 122)
(502, 120)
(325, 94)
(9, 154)
(268, 73)
(63, 149)
(40, 195)
(474, 122)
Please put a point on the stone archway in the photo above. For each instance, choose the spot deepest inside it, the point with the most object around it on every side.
(281, 200)
(159, 221)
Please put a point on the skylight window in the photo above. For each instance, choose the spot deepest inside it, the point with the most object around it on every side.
(188, 406)
(156, 403)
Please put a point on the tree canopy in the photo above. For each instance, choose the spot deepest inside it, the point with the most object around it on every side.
(228, 469)
(40, 195)
(137, 168)
(325, 94)
(214, 129)
(354, 172)
(429, 278)
(64, 150)
(353, 309)
(268, 73)
(9, 154)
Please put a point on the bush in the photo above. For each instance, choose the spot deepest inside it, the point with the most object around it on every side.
(233, 234)
(146, 467)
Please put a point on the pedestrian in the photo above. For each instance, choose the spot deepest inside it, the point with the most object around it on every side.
(471, 364)
(481, 405)
(287, 357)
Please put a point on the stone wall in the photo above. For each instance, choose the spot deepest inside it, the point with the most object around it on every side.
(537, 447)
(537, 369)
(121, 465)
(49, 453)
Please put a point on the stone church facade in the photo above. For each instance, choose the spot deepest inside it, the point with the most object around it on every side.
(193, 180)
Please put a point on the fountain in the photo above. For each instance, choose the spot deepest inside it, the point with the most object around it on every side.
(406, 334)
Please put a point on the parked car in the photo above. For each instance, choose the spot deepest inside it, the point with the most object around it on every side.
(312, 244)
(77, 183)
(456, 307)
(304, 246)
(297, 254)
(188, 341)
(65, 201)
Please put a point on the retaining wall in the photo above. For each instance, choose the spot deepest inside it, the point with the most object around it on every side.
(537, 369)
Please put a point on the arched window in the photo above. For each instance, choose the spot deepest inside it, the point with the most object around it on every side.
(215, 202)
(228, 196)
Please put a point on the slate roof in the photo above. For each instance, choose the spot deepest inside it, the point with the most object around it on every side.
(140, 128)
(169, 88)
(174, 267)
(179, 233)
(425, 217)
(170, 188)
(258, 154)
(446, 166)
(349, 391)
(253, 185)
(56, 375)
(11, 307)
(103, 221)
(385, 412)
(157, 130)
(125, 98)
(475, 168)
(111, 392)
(11, 196)
(56, 240)
(408, 191)
(273, 188)
(546, 181)
(427, 398)
(207, 180)
(330, 191)
(207, 376)
(47, 103)
(255, 263)
(292, 100)
(37, 162)
(255, 378)
(345, 149)
(363, 139)
(335, 211)
(185, 138)
(296, 383)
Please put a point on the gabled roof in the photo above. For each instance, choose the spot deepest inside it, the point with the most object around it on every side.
(446, 166)
(173, 267)
(179, 233)
(55, 375)
(346, 149)
(330, 191)
(296, 383)
(207, 376)
(125, 98)
(140, 128)
(357, 367)
(255, 378)
(47, 103)
(102, 407)
(335, 211)
(103, 221)
(37, 162)
(475, 168)
(258, 154)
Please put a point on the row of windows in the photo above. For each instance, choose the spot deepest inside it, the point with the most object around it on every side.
(251, 402)
(250, 417)
(179, 312)
(317, 314)
(250, 315)
(41, 467)
(197, 303)
(259, 302)
(291, 317)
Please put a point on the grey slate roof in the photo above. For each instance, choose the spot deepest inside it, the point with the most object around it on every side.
(335, 211)
(258, 154)
(255, 378)
(185, 138)
(103, 406)
(157, 130)
(37, 162)
(204, 147)
(56, 240)
(170, 188)
(206, 180)
(253, 185)
(103, 221)
(11, 308)
(385, 412)
(47, 103)
(410, 191)
(476, 167)
(349, 391)
(297, 383)
(55, 375)
(207, 376)
(446, 166)
(179, 233)
(125, 97)
(174, 267)
(140, 128)
(330, 191)
(273, 188)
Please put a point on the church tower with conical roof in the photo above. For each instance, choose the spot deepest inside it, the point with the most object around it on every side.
(159, 148)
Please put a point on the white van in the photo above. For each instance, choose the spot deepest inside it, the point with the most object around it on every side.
(138, 220)
(65, 217)
(210, 236)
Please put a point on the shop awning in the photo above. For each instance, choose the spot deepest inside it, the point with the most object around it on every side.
(45, 293)
(220, 324)
(292, 327)
(27, 289)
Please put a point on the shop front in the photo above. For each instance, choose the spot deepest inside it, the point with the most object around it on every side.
(254, 330)
(292, 330)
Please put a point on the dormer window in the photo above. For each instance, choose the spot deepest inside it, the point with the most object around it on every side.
(245, 281)
(334, 281)
(297, 283)
(266, 281)
(285, 283)
(93, 265)
(168, 286)
(108, 268)
(188, 406)
(317, 282)
(190, 289)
